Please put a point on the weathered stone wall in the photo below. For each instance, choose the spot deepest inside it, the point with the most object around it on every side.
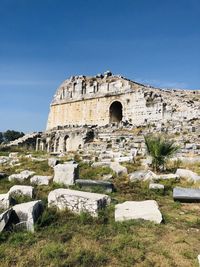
(88, 101)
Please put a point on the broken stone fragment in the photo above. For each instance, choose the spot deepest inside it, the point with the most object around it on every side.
(186, 194)
(118, 169)
(28, 213)
(142, 175)
(100, 164)
(78, 201)
(188, 175)
(52, 162)
(40, 180)
(22, 176)
(4, 201)
(4, 219)
(155, 186)
(124, 159)
(21, 190)
(167, 176)
(132, 210)
(4, 160)
(13, 155)
(66, 173)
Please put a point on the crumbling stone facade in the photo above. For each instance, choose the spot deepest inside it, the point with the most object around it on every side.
(109, 98)
(105, 112)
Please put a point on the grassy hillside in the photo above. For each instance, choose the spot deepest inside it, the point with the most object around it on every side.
(65, 239)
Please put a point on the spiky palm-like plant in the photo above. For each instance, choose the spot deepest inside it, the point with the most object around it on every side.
(160, 149)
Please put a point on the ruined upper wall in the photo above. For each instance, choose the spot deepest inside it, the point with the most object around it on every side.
(83, 87)
(85, 100)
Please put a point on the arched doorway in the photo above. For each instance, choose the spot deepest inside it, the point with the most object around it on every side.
(116, 112)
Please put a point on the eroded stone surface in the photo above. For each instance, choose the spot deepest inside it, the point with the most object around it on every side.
(118, 168)
(22, 176)
(155, 186)
(142, 175)
(28, 213)
(4, 218)
(52, 162)
(4, 201)
(188, 175)
(40, 180)
(77, 201)
(21, 190)
(130, 210)
(66, 173)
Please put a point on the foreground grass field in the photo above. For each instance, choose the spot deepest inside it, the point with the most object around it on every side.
(65, 239)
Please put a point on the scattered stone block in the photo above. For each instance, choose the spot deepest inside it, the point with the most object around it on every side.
(4, 160)
(22, 176)
(142, 175)
(101, 164)
(123, 159)
(28, 213)
(167, 176)
(186, 194)
(118, 169)
(4, 219)
(107, 186)
(77, 201)
(13, 155)
(131, 210)
(155, 186)
(40, 180)
(52, 162)
(188, 175)
(4, 201)
(21, 190)
(66, 173)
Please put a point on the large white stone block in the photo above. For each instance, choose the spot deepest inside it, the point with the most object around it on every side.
(66, 173)
(142, 175)
(40, 180)
(146, 210)
(118, 168)
(21, 190)
(22, 176)
(77, 201)
(28, 213)
(188, 175)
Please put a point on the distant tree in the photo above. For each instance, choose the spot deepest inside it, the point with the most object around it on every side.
(1, 137)
(160, 149)
(11, 135)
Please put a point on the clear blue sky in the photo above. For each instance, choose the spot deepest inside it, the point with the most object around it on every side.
(42, 42)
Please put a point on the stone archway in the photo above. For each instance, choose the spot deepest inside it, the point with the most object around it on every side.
(116, 112)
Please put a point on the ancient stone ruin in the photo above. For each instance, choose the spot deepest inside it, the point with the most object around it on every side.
(109, 111)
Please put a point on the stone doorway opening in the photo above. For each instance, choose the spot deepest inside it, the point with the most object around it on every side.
(116, 112)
